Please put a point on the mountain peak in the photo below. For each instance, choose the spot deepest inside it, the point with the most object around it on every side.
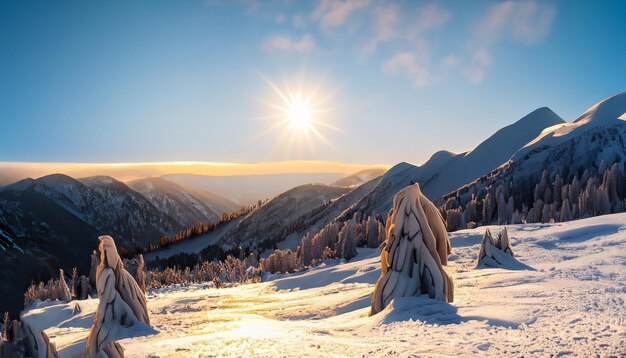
(606, 110)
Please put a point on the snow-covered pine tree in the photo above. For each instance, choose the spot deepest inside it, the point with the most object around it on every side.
(84, 288)
(372, 232)
(141, 273)
(95, 261)
(382, 234)
(121, 301)
(346, 248)
(416, 249)
(566, 214)
(305, 250)
(545, 214)
(63, 291)
(488, 207)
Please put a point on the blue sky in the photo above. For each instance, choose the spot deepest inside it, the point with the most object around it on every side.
(140, 81)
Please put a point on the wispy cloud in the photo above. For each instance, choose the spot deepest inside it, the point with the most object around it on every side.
(517, 21)
(286, 43)
(386, 22)
(414, 60)
(406, 63)
(332, 13)
(428, 17)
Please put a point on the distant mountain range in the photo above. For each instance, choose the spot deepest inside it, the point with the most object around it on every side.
(248, 189)
(54, 221)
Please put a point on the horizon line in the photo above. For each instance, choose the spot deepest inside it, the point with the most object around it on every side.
(11, 172)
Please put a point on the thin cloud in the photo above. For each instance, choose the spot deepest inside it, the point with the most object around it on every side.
(332, 13)
(516, 21)
(386, 22)
(286, 43)
(407, 64)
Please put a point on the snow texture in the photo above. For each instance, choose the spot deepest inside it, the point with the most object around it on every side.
(571, 305)
(414, 253)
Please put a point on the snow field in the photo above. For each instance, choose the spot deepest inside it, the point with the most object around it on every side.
(571, 303)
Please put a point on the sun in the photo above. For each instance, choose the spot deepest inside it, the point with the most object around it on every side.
(300, 114)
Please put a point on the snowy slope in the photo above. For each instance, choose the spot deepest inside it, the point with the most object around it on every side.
(103, 203)
(282, 215)
(247, 189)
(54, 222)
(570, 303)
(598, 135)
(176, 202)
(490, 154)
(359, 178)
(446, 171)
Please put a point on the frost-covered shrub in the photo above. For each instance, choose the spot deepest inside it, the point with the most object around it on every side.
(230, 271)
(52, 290)
(283, 261)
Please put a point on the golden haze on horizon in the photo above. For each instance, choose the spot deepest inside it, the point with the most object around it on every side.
(13, 171)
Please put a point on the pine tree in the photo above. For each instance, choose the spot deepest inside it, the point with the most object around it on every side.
(488, 207)
(372, 232)
(347, 243)
(141, 274)
(382, 235)
(557, 189)
(62, 289)
(566, 214)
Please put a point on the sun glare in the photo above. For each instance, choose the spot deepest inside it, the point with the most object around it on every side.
(300, 114)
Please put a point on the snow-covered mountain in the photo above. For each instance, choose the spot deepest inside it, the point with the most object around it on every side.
(54, 222)
(103, 203)
(582, 161)
(596, 135)
(490, 154)
(180, 204)
(446, 171)
(281, 216)
(248, 189)
(359, 178)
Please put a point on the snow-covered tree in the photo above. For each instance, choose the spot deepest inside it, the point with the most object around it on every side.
(545, 213)
(416, 249)
(305, 250)
(346, 248)
(566, 214)
(121, 302)
(64, 293)
(382, 234)
(488, 207)
(602, 203)
(95, 261)
(557, 189)
(141, 273)
(372, 232)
